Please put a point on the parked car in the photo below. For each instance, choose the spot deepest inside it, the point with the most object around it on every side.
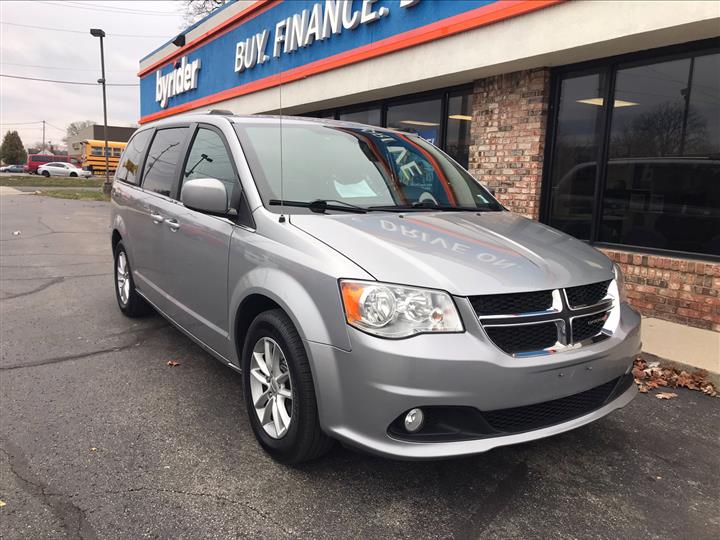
(13, 168)
(367, 287)
(62, 169)
(34, 161)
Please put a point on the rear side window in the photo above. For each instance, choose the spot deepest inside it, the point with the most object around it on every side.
(129, 168)
(162, 159)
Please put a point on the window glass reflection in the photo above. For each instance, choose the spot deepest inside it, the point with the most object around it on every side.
(575, 154)
(372, 117)
(421, 117)
(457, 140)
(663, 175)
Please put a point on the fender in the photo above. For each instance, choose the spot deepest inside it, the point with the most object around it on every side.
(300, 305)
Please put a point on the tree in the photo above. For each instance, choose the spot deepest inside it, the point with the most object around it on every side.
(194, 10)
(74, 128)
(12, 150)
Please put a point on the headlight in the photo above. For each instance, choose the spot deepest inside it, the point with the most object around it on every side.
(392, 311)
(617, 287)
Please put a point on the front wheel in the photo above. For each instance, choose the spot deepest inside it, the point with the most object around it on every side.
(279, 391)
(46, 174)
(73, 175)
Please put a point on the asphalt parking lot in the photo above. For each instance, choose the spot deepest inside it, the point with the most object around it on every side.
(99, 438)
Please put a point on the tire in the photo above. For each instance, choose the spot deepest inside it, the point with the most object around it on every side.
(73, 175)
(303, 440)
(46, 174)
(134, 305)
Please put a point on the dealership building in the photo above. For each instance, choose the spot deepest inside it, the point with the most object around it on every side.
(601, 119)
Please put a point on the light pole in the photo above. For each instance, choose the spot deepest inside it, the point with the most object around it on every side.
(97, 32)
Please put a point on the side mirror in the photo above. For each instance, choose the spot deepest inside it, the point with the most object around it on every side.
(205, 195)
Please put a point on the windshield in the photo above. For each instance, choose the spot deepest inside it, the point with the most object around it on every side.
(360, 166)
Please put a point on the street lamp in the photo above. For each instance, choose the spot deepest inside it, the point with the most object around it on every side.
(97, 32)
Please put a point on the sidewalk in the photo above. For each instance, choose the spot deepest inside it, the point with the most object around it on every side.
(683, 346)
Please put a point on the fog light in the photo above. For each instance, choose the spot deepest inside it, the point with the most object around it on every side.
(414, 420)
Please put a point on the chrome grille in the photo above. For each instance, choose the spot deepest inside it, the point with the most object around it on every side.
(542, 322)
(587, 295)
(515, 339)
(508, 304)
(586, 327)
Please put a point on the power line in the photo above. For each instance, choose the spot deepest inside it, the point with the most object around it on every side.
(109, 9)
(65, 68)
(84, 3)
(64, 82)
(84, 32)
(19, 123)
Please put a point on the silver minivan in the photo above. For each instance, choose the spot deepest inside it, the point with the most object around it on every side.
(367, 288)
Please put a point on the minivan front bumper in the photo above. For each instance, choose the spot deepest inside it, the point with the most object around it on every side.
(361, 392)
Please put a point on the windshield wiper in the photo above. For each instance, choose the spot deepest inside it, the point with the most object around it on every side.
(430, 205)
(319, 206)
(419, 207)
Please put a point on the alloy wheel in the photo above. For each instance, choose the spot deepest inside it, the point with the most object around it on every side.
(123, 278)
(271, 387)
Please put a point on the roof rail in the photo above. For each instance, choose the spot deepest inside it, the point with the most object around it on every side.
(223, 112)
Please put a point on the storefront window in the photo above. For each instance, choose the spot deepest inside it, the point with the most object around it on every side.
(663, 181)
(575, 154)
(421, 117)
(459, 120)
(660, 183)
(372, 117)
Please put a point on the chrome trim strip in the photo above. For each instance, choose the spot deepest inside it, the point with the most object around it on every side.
(556, 307)
(585, 306)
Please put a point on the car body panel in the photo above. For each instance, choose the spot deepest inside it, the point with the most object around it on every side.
(461, 252)
(194, 255)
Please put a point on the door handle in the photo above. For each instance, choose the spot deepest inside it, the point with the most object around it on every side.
(157, 218)
(173, 224)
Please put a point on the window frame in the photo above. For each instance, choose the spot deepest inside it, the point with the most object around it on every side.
(610, 67)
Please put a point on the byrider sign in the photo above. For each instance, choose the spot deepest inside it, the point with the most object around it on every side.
(302, 29)
(180, 80)
(264, 44)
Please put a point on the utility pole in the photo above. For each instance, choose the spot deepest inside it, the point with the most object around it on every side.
(97, 32)
(43, 146)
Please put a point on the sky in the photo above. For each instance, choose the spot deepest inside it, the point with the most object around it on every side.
(52, 54)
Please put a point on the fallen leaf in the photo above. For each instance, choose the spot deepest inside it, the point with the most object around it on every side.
(16, 233)
(93, 449)
(649, 376)
(173, 363)
(2, 503)
(665, 395)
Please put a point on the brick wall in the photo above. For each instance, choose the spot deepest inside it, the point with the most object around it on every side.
(508, 134)
(678, 290)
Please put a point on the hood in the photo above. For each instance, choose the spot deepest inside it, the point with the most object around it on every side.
(464, 253)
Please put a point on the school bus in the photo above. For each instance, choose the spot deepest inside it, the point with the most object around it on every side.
(93, 159)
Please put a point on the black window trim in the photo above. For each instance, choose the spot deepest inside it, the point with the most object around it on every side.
(610, 66)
